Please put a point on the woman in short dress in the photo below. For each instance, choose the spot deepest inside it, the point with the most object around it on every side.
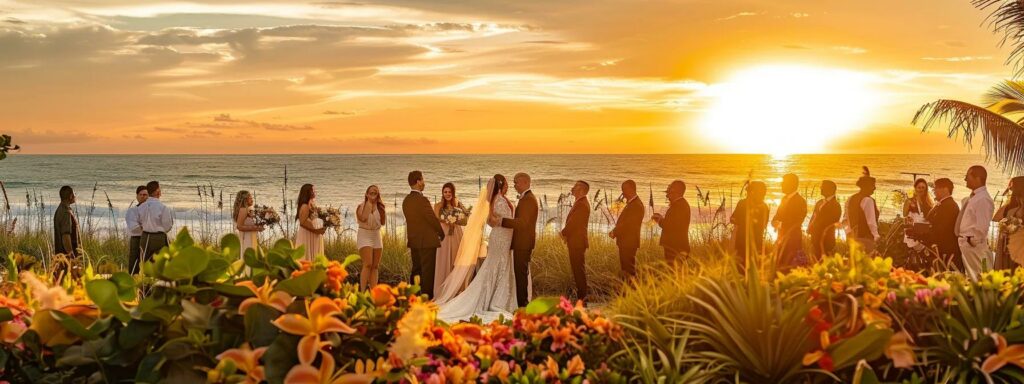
(1010, 248)
(245, 224)
(311, 228)
(449, 248)
(371, 217)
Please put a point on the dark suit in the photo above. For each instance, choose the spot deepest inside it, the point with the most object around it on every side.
(675, 230)
(424, 234)
(524, 238)
(822, 227)
(575, 233)
(627, 236)
(790, 243)
(943, 230)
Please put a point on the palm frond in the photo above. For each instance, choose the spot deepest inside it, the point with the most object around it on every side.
(1002, 138)
(1005, 98)
(1007, 19)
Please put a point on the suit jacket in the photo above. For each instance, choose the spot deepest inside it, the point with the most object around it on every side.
(675, 226)
(524, 223)
(943, 220)
(422, 227)
(791, 215)
(822, 227)
(575, 230)
(627, 227)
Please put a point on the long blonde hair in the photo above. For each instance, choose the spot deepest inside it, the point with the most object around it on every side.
(240, 199)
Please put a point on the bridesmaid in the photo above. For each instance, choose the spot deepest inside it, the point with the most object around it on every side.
(1010, 248)
(245, 225)
(371, 217)
(449, 248)
(311, 228)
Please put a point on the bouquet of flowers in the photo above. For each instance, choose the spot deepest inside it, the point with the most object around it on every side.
(330, 216)
(1010, 225)
(455, 216)
(265, 215)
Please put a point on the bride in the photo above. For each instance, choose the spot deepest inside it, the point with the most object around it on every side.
(493, 292)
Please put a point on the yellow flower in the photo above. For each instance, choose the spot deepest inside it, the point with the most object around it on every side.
(873, 301)
(246, 359)
(278, 300)
(486, 352)
(500, 370)
(462, 374)
(307, 374)
(899, 350)
(872, 316)
(410, 341)
(838, 287)
(1013, 354)
(550, 371)
(575, 366)
(321, 320)
(11, 331)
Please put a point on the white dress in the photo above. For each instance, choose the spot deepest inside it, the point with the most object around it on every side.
(492, 293)
(249, 239)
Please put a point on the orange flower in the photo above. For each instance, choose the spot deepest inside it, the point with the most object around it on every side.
(336, 275)
(486, 352)
(278, 300)
(304, 266)
(461, 374)
(500, 370)
(246, 359)
(575, 366)
(899, 350)
(1013, 354)
(560, 337)
(12, 330)
(321, 320)
(550, 371)
(307, 374)
(383, 295)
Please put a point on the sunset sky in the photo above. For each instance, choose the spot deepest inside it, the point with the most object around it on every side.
(476, 76)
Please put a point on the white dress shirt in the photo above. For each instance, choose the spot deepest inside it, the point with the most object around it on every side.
(155, 216)
(976, 215)
(133, 222)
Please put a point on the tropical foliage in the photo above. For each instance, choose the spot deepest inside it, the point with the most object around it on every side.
(7, 145)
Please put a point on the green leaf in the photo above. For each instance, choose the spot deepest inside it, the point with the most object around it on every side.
(304, 285)
(216, 270)
(186, 264)
(280, 357)
(125, 285)
(233, 290)
(196, 315)
(135, 333)
(230, 245)
(73, 325)
(150, 367)
(6, 315)
(351, 259)
(258, 327)
(542, 306)
(251, 258)
(869, 344)
(105, 294)
(183, 240)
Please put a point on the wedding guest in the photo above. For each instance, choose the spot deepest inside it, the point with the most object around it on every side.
(449, 248)
(627, 230)
(822, 227)
(861, 221)
(157, 220)
(423, 233)
(311, 228)
(65, 225)
(245, 223)
(1010, 249)
(574, 234)
(524, 235)
(675, 224)
(134, 224)
(371, 217)
(750, 219)
(942, 236)
(914, 211)
(788, 220)
(973, 222)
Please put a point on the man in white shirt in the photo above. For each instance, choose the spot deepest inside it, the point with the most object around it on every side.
(861, 220)
(972, 223)
(134, 226)
(157, 220)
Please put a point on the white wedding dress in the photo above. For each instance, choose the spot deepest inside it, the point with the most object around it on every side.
(492, 292)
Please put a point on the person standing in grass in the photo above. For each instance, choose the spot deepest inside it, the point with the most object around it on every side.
(942, 236)
(574, 234)
(134, 224)
(788, 222)
(371, 217)
(423, 234)
(65, 225)
(822, 227)
(973, 223)
(157, 220)
(449, 249)
(861, 222)
(750, 219)
(675, 224)
(627, 230)
(311, 228)
(245, 223)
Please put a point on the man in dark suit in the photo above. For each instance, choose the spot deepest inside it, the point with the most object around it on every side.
(942, 218)
(424, 233)
(822, 228)
(524, 235)
(575, 236)
(627, 230)
(788, 220)
(675, 224)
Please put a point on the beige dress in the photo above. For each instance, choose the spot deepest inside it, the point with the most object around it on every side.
(1011, 245)
(369, 232)
(250, 239)
(446, 253)
(313, 242)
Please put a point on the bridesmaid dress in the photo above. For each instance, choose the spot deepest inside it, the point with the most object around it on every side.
(313, 242)
(446, 253)
(250, 239)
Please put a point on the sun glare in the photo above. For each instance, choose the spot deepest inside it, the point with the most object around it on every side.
(782, 110)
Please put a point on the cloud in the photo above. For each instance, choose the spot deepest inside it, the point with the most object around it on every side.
(31, 137)
(957, 59)
(799, 15)
(736, 16)
(850, 50)
(345, 113)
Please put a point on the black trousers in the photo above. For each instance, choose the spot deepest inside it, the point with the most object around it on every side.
(672, 256)
(627, 261)
(423, 262)
(577, 260)
(521, 267)
(134, 253)
(151, 244)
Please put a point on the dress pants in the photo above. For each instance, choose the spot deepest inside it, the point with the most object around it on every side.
(521, 267)
(672, 256)
(134, 253)
(151, 244)
(977, 258)
(423, 263)
(577, 260)
(627, 261)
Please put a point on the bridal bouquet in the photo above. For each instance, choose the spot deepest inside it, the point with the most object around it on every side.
(265, 215)
(330, 216)
(1010, 225)
(455, 216)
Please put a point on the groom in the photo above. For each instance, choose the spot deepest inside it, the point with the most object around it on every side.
(524, 235)
(423, 232)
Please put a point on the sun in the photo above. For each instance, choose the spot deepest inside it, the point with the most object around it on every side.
(787, 109)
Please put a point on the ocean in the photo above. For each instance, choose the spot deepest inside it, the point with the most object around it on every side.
(341, 180)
